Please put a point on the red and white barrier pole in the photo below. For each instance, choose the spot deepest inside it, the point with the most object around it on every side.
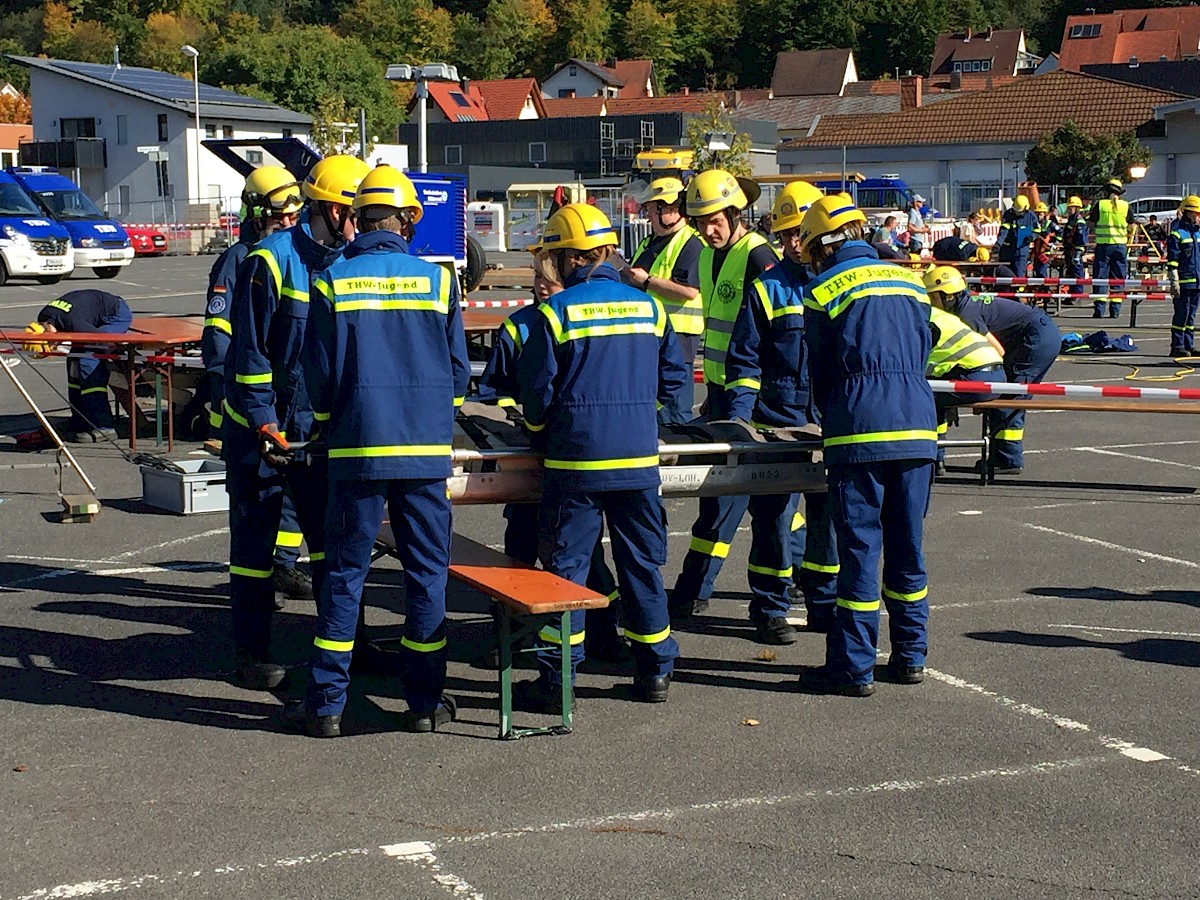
(1063, 390)
(1112, 283)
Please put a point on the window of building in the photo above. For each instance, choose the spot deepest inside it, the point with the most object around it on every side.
(460, 100)
(454, 155)
(124, 205)
(8, 158)
(254, 157)
(1090, 30)
(566, 93)
(76, 128)
(227, 131)
(210, 130)
(537, 152)
(287, 132)
(162, 132)
(160, 177)
(122, 130)
(572, 71)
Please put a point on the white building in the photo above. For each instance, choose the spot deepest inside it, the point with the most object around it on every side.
(128, 136)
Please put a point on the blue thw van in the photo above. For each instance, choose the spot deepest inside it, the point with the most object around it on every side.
(32, 245)
(100, 243)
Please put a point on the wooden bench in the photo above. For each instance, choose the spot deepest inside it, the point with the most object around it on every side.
(1073, 404)
(529, 599)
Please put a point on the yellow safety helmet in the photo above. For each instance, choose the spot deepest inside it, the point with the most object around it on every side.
(1191, 203)
(1041, 207)
(944, 279)
(826, 218)
(792, 203)
(1114, 184)
(273, 188)
(1074, 201)
(664, 190)
(388, 186)
(578, 226)
(715, 189)
(40, 351)
(335, 179)
(1021, 202)
(983, 254)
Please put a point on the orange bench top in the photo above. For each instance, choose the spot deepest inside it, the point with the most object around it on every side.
(148, 331)
(521, 588)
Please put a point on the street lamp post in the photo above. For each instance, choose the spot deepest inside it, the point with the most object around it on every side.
(191, 51)
(434, 71)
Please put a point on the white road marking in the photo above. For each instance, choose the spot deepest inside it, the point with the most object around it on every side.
(1149, 459)
(134, 570)
(1087, 448)
(1109, 545)
(970, 512)
(1098, 628)
(66, 559)
(176, 542)
(422, 853)
(1125, 748)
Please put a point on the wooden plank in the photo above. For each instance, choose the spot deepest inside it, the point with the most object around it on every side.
(484, 321)
(518, 277)
(1081, 405)
(523, 589)
(148, 331)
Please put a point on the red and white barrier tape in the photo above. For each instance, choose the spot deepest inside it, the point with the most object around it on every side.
(1063, 390)
(495, 304)
(1111, 282)
(1042, 295)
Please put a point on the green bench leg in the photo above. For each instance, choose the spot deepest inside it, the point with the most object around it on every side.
(505, 676)
(564, 631)
(508, 636)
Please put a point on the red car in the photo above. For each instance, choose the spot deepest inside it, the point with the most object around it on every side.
(146, 241)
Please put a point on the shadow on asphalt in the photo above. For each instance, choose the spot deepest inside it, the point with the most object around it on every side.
(1169, 651)
(1185, 597)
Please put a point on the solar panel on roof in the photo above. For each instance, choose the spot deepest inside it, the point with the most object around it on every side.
(161, 85)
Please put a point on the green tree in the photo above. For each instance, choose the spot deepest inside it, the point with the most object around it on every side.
(886, 48)
(717, 120)
(648, 33)
(511, 40)
(584, 30)
(395, 31)
(67, 37)
(1068, 155)
(709, 32)
(165, 33)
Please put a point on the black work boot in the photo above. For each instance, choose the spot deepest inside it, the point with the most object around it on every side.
(652, 690)
(422, 723)
(904, 674)
(818, 680)
(296, 717)
(775, 631)
(257, 674)
(294, 583)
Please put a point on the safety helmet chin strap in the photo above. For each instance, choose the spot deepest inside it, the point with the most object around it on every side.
(335, 226)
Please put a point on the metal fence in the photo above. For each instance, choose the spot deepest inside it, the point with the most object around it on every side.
(189, 227)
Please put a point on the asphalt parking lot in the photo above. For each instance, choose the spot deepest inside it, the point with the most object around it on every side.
(1052, 752)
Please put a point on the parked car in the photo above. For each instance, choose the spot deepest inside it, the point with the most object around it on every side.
(1165, 207)
(146, 241)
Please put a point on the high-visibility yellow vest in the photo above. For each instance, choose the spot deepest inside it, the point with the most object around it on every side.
(687, 316)
(958, 346)
(722, 300)
(1111, 225)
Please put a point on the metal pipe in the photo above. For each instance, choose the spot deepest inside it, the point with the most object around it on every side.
(463, 455)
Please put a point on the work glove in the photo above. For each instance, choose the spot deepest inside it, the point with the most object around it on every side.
(1173, 277)
(37, 351)
(274, 446)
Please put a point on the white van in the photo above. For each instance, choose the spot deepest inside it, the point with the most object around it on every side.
(1166, 208)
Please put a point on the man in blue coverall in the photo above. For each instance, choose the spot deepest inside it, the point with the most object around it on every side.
(1183, 270)
(867, 328)
(1018, 227)
(270, 200)
(768, 386)
(595, 364)
(385, 361)
(266, 404)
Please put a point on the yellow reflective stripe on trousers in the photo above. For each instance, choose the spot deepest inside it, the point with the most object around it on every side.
(764, 570)
(649, 638)
(319, 556)
(600, 465)
(233, 414)
(914, 597)
(859, 605)
(1010, 434)
(394, 450)
(250, 573)
(797, 521)
(817, 567)
(432, 647)
(288, 539)
(219, 324)
(263, 378)
(752, 383)
(878, 437)
(551, 635)
(321, 416)
(95, 390)
(335, 646)
(715, 549)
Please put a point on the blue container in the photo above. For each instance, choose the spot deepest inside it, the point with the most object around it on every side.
(441, 235)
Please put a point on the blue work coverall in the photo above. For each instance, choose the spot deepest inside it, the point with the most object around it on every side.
(87, 376)
(1074, 241)
(599, 359)
(1031, 342)
(385, 361)
(768, 386)
(214, 348)
(1017, 231)
(867, 328)
(269, 315)
(1183, 256)
(498, 385)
